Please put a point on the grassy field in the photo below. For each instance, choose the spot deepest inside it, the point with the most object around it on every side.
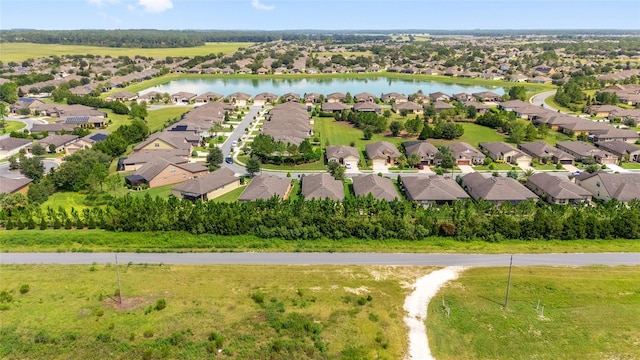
(162, 191)
(631, 166)
(23, 51)
(66, 200)
(255, 312)
(99, 240)
(157, 118)
(231, 196)
(589, 313)
(473, 134)
(12, 126)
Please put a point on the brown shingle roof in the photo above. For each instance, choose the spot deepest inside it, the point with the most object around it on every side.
(380, 187)
(433, 188)
(265, 187)
(207, 183)
(321, 186)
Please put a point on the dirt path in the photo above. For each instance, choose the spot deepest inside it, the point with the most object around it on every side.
(416, 307)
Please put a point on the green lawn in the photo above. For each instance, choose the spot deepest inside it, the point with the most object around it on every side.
(496, 166)
(473, 134)
(12, 126)
(231, 196)
(547, 167)
(23, 51)
(158, 118)
(630, 165)
(589, 313)
(66, 200)
(162, 191)
(316, 165)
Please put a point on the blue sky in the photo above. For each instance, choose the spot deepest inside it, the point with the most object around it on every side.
(316, 14)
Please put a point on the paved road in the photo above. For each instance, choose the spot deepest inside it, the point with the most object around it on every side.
(15, 174)
(538, 100)
(27, 121)
(237, 133)
(326, 259)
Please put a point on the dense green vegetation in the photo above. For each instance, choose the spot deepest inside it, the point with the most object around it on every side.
(359, 217)
(201, 312)
(553, 313)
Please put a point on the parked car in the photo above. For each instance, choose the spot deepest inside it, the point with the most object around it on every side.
(229, 160)
(234, 143)
(576, 173)
(347, 165)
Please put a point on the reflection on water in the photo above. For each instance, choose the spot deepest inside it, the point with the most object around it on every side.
(374, 85)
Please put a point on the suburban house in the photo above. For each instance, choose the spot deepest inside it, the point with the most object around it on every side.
(541, 150)
(480, 107)
(343, 154)
(496, 190)
(11, 146)
(463, 97)
(122, 96)
(207, 97)
(52, 128)
(487, 96)
(238, 99)
(382, 153)
(367, 106)
(137, 159)
(439, 96)
(607, 186)
(291, 97)
(466, 154)
(200, 119)
(322, 186)
(14, 186)
(623, 150)
(365, 97)
(288, 122)
(149, 97)
(336, 97)
(557, 190)
(160, 172)
(264, 98)
(334, 107)
(503, 152)
(441, 106)
(182, 97)
(407, 107)
(57, 143)
(85, 121)
(266, 186)
(395, 96)
(379, 187)
(312, 97)
(208, 186)
(601, 110)
(614, 134)
(425, 150)
(169, 141)
(582, 150)
(434, 189)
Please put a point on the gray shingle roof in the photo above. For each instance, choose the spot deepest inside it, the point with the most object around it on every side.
(321, 186)
(265, 187)
(432, 188)
(380, 187)
(207, 183)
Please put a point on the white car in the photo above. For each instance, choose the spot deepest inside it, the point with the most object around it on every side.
(234, 143)
(347, 165)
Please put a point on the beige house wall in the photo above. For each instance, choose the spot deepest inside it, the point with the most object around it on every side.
(599, 192)
(161, 145)
(172, 175)
(223, 190)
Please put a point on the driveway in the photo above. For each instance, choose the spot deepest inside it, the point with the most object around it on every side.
(616, 168)
(570, 168)
(380, 168)
(465, 169)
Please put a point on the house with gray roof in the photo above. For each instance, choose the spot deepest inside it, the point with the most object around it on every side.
(466, 154)
(264, 98)
(496, 190)
(54, 143)
(606, 186)
(265, 187)
(382, 153)
(407, 107)
(367, 106)
(623, 150)
(557, 190)
(169, 140)
(208, 97)
(379, 187)
(208, 186)
(334, 107)
(541, 150)
(336, 97)
(502, 152)
(137, 159)
(322, 186)
(11, 146)
(435, 189)
(160, 172)
(487, 96)
(343, 154)
(365, 97)
(582, 150)
(14, 186)
(183, 97)
(395, 96)
(238, 99)
(425, 150)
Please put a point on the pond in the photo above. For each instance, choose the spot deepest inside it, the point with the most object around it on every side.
(375, 85)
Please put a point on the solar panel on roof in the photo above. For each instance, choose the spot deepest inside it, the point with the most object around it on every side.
(76, 120)
(98, 137)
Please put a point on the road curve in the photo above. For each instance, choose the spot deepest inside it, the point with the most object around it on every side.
(539, 99)
(325, 259)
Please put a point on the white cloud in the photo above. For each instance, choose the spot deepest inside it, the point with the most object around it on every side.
(156, 6)
(260, 6)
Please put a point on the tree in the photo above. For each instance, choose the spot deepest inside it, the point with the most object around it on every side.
(446, 157)
(38, 149)
(336, 170)
(367, 133)
(414, 126)
(3, 113)
(138, 111)
(517, 133)
(214, 158)
(395, 127)
(32, 167)
(531, 132)
(413, 160)
(517, 92)
(253, 166)
(9, 92)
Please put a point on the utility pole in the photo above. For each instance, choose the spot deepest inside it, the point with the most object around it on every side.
(506, 300)
(118, 277)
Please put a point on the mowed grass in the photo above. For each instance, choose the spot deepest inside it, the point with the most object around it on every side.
(66, 200)
(231, 196)
(589, 313)
(260, 312)
(104, 241)
(161, 191)
(473, 134)
(10, 126)
(23, 51)
(158, 118)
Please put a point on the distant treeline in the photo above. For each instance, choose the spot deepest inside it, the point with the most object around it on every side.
(355, 217)
(170, 38)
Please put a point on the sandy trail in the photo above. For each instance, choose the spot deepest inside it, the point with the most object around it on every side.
(416, 307)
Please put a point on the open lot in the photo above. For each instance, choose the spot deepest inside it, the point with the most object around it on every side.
(255, 312)
(23, 51)
(589, 313)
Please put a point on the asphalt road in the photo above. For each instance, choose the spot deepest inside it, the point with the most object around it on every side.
(538, 100)
(324, 259)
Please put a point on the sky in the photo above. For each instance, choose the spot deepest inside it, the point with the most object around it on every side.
(319, 14)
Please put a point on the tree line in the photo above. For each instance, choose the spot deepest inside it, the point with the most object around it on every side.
(170, 38)
(355, 217)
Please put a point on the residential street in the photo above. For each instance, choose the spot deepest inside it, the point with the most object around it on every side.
(539, 99)
(325, 259)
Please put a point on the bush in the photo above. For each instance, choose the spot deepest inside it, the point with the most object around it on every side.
(24, 289)
(161, 304)
(5, 297)
(148, 334)
(216, 339)
(42, 337)
(258, 297)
